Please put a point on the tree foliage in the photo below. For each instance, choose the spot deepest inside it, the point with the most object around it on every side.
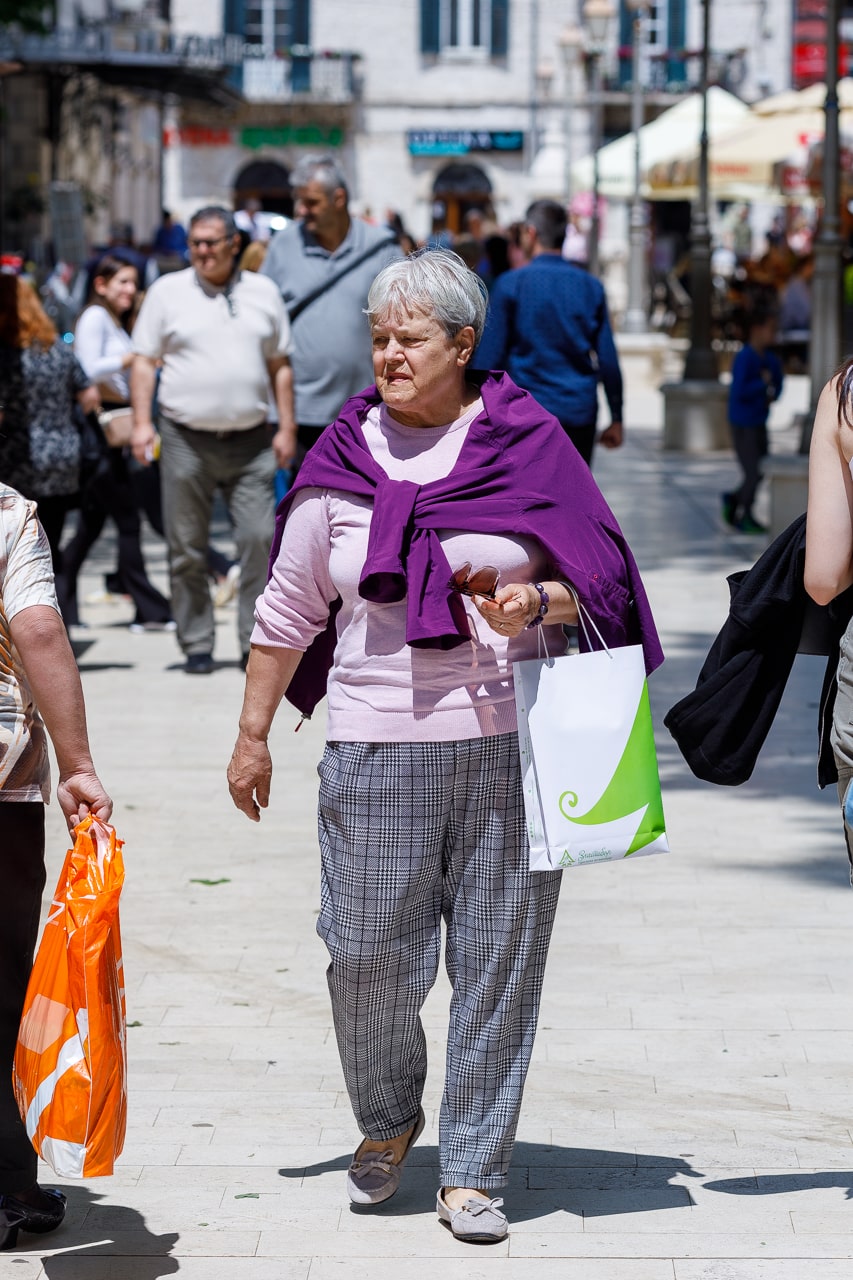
(30, 15)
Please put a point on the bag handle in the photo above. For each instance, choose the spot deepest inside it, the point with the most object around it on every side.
(584, 617)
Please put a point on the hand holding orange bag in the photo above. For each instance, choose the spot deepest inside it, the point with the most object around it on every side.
(70, 1072)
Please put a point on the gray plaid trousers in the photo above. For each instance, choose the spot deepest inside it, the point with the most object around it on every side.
(411, 832)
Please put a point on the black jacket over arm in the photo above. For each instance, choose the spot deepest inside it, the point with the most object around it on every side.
(721, 727)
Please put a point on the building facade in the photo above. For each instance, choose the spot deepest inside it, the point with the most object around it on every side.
(434, 107)
(439, 106)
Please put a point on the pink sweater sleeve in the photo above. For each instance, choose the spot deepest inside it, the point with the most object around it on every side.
(295, 604)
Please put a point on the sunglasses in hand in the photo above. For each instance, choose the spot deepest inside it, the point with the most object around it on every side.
(476, 582)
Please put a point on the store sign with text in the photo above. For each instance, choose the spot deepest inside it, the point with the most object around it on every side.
(460, 142)
(808, 44)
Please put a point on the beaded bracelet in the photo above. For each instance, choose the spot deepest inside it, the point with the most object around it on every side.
(544, 600)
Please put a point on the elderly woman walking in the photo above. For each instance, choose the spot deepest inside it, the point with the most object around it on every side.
(372, 599)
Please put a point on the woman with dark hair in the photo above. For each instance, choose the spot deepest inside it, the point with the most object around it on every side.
(103, 345)
(41, 384)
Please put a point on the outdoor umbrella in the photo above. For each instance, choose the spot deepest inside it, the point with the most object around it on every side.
(666, 138)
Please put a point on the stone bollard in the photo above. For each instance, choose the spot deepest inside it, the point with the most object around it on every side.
(787, 478)
(695, 418)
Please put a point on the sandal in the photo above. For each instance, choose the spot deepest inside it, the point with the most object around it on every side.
(373, 1177)
(477, 1222)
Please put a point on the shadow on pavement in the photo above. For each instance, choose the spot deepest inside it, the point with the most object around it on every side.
(102, 1242)
(778, 1184)
(323, 1166)
(546, 1179)
(596, 1182)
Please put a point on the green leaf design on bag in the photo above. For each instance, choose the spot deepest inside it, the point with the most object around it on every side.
(635, 784)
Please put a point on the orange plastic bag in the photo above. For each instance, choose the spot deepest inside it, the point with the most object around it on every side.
(70, 1072)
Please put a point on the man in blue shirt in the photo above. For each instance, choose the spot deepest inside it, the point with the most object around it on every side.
(549, 329)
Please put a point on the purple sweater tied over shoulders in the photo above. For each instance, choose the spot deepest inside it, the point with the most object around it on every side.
(516, 473)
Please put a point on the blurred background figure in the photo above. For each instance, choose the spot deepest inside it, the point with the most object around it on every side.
(252, 257)
(170, 240)
(575, 247)
(548, 326)
(742, 235)
(249, 223)
(42, 383)
(220, 338)
(795, 301)
(103, 346)
(756, 383)
(395, 224)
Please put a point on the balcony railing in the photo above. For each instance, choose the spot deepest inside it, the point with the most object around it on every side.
(262, 75)
(301, 74)
(677, 71)
(121, 44)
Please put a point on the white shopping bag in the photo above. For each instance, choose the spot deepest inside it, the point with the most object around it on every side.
(589, 768)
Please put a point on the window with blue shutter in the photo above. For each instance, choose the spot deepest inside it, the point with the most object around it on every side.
(464, 26)
(626, 42)
(500, 28)
(300, 21)
(430, 26)
(234, 17)
(676, 67)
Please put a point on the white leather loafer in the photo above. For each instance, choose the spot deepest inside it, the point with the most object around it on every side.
(373, 1176)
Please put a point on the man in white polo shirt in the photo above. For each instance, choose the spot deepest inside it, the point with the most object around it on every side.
(221, 337)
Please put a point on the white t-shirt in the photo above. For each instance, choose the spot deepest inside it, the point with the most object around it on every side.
(214, 343)
(26, 579)
(101, 344)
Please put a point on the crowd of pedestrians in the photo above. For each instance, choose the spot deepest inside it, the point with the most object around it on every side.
(194, 379)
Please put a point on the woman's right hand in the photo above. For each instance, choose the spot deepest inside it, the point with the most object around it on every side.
(82, 792)
(250, 776)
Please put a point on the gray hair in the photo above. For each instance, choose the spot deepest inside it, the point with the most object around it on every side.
(435, 281)
(216, 211)
(319, 168)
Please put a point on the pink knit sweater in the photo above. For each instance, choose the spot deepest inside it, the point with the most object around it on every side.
(380, 689)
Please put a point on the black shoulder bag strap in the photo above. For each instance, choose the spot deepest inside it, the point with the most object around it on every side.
(296, 308)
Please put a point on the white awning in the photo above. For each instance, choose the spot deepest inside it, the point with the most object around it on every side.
(673, 135)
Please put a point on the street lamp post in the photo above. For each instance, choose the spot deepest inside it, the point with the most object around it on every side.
(635, 314)
(597, 15)
(701, 362)
(695, 418)
(570, 41)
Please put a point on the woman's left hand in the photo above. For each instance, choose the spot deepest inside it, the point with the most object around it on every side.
(513, 608)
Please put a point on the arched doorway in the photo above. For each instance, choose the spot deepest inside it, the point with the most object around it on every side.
(267, 181)
(458, 188)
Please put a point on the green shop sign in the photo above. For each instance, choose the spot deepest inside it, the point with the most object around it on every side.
(303, 135)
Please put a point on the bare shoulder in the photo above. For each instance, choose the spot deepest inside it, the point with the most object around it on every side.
(834, 418)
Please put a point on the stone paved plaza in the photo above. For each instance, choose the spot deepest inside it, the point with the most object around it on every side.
(689, 1108)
